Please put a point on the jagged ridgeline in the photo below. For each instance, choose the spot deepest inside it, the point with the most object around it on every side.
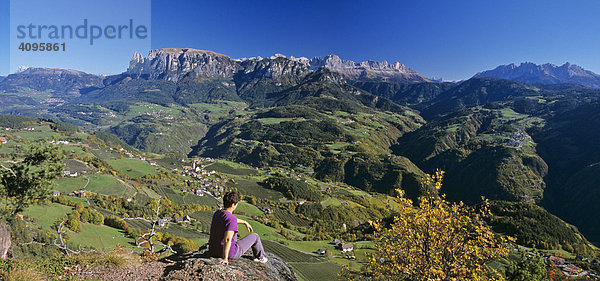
(373, 125)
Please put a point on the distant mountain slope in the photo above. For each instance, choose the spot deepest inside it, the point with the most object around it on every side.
(570, 147)
(337, 138)
(60, 81)
(477, 91)
(404, 93)
(545, 74)
(34, 90)
(484, 152)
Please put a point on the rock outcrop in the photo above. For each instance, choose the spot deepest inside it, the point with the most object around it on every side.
(200, 267)
(5, 242)
(196, 266)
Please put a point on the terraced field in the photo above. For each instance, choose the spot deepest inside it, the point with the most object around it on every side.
(139, 224)
(68, 184)
(182, 199)
(108, 185)
(100, 237)
(248, 209)
(311, 246)
(289, 254)
(227, 169)
(203, 217)
(106, 154)
(74, 165)
(134, 168)
(145, 194)
(265, 232)
(251, 187)
(179, 230)
(47, 215)
(285, 216)
(39, 133)
(322, 271)
(307, 266)
(331, 201)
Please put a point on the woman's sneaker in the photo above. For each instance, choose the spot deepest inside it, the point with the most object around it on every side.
(263, 260)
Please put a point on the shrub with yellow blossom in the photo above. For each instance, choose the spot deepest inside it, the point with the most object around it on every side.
(438, 240)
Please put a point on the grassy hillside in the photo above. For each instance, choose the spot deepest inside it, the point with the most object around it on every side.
(533, 226)
(332, 144)
(486, 152)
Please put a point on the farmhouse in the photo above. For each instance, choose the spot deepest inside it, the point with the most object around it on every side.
(79, 193)
(69, 174)
(163, 221)
(556, 260)
(267, 210)
(347, 247)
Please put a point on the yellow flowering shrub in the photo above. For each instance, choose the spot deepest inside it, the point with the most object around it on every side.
(439, 240)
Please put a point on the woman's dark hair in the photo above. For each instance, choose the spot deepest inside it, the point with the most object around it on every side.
(230, 198)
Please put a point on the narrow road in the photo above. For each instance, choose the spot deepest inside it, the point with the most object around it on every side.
(86, 184)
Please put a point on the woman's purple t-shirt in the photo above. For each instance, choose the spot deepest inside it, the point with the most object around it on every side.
(222, 221)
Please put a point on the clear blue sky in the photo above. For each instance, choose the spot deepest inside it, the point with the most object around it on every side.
(93, 54)
(449, 39)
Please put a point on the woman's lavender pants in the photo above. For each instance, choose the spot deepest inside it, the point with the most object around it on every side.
(250, 241)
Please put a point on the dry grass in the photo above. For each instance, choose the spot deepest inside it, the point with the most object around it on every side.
(149, 256)
(120, 256)
(23, 274)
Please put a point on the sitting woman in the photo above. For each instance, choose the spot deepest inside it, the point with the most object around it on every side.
(223, 231)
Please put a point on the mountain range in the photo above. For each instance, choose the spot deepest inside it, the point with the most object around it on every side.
(520, 137)
(173, 64)
(545, 74)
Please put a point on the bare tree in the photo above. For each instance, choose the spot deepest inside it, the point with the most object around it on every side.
(60, 243)
(147, 240)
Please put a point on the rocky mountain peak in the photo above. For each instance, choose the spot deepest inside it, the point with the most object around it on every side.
(326, 76)
(330, 61)
(174, 64)
(367, 70)
(276, 67)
